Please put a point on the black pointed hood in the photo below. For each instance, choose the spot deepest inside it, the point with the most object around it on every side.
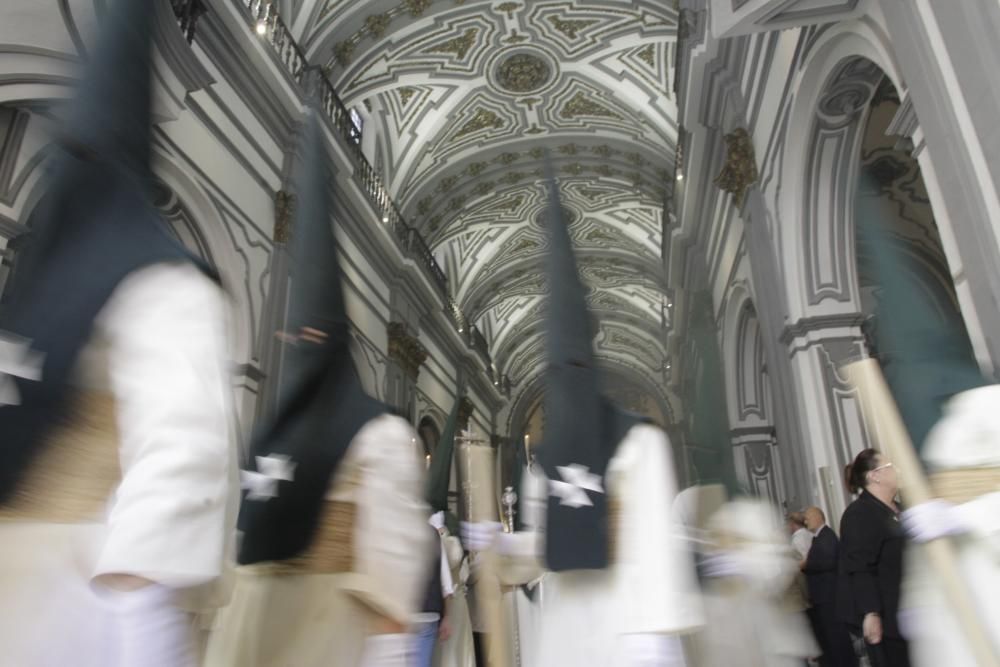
(94, 225)
(321, 405)
(582, 428)
(439, 474)
(921, 340)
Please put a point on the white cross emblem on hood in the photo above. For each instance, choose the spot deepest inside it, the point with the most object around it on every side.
(576, 481)
(263, 483)
(17, 359)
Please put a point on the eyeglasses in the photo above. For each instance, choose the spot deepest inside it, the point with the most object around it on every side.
(884, 465)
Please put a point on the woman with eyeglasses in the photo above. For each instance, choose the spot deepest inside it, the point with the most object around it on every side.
(871, 556)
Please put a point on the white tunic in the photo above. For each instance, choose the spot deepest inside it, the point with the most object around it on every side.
(967, 437)
(322, 620)
(650, 587)
(158, 346)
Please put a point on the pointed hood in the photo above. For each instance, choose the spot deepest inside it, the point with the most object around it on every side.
(921, 340)
(582, 429)
(439, 474)
(94, 226)
(110, 115)
(321, 404)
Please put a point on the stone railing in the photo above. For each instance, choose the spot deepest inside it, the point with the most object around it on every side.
(264, 20)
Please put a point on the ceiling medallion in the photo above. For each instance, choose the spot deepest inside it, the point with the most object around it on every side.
(568, 214)
(523, 73)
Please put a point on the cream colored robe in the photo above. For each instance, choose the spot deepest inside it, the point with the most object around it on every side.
(650, 588)
(157, 352)
(458, 651)
(322, 620)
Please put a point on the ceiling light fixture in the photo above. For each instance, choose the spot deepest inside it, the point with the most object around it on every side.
(385, 218)
(680, 176)
(262, 28)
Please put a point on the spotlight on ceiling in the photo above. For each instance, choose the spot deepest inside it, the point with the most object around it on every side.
(680, 176)
(385, 218)
(261, 28)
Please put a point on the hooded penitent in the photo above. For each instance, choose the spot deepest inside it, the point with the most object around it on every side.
(94, 226)
(439, 474)
(582, 428)
(921, 341)
(321, 404)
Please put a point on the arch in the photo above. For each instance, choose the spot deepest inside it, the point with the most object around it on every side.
(833, 143)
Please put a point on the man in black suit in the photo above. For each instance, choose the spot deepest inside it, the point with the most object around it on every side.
(820, 568)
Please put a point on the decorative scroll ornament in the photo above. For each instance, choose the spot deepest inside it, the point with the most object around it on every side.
(740, 170)
(405, 350)
(284, 207)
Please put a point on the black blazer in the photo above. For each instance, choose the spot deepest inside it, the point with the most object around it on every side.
(821, 567)
(871, 563)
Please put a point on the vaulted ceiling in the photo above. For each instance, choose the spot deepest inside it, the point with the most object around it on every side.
(466, 96)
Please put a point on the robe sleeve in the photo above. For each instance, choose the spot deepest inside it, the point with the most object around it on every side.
(168, 520)
(654, 566)
(393, 545)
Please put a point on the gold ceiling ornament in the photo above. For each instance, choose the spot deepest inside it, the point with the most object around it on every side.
(509, 8)
(647, 55)
(377, 24)
(523, 73)
(405, 94)
(483, 119)
(740, 170)
(581, 105)
(405, 349)
(458, 46)
(514, 37)
(416, 7)
(509, 204)
(534, 130)
(484, 188)
(344, 52)
(284, 208)
(570, 27)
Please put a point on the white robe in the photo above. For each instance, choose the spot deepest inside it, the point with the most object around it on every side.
(967, 437)
(650, 587)
(158, 347)
(322, 620)
(458, 650)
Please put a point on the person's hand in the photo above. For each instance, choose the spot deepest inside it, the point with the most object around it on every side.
(444, 630)
(871, 627)
(802, 564)
(479, 536)
(932, 520)
(437, 520)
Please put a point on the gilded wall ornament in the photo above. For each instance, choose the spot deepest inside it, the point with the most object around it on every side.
(647, 55)
(523, 73)
(740, 170)
(459, 46)
(284, 208)
(569, 27)
(581, 105)
(405, 349)
(483, 119)
(405, 94)
(509, 8)
(377, 24)
(416, 7)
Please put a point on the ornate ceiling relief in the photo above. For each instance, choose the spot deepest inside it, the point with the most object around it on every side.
(467, 99)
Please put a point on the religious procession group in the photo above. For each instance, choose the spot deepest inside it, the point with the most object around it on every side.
(130, 538)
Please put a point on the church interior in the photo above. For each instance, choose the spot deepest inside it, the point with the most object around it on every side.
(711, 159)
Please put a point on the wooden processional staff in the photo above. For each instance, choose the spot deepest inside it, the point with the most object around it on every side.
(883, 418)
